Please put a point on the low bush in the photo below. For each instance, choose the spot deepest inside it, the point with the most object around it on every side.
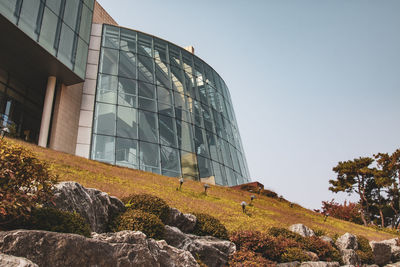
(209, 225)
(294, 254)
(283, 232)
(148, 203)
(324, 250)
(243, 258)
(364, 251)
(269, 193)
(319, 232)
(138, 220)
(51, 219)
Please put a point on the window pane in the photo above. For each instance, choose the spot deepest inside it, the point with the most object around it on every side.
(81, 57)
(166, 109)
(127, 92)
(164, 95)
(127, 122)
(54, 5)
(147, 90)
(65, 49)
(150, 157)
(103, 148)
(48, 31)
(109, 61)
(145, 69)
(147, 104)
(205, 168)
(104, 120)
(177, 79)
(144, 45)
(107, 89)
(7, 9)
(86, 21)
(127, 64)
(128, 40)
(167, 131)
(185, 136)
(200, 142)
(162, 74)
(111, 36)
(71, 12)
(182, 115)
(148, 130)
(170, 161)
(189, 165)
(126, 153)
(28, 17)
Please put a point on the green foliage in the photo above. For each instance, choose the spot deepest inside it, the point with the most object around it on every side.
(244, 258)
(294, 254)
(324, 250)
(208, 225)
(138, 220)
(25, 181)
(51, 219)
(283, 232)
(148, 203)
(319, 232)
(364, 251)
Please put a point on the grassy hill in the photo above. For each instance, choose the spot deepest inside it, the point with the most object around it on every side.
(221, 202)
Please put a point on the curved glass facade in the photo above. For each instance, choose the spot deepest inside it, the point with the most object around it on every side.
(160, 108)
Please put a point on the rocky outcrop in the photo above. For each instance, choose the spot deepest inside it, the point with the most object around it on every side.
(395, 249)
(12, 261)
(211, 251)
(319, 264)
(95, 206)
(350, 257)
(302, 230)
(382, 252)
(347, 241)
(185, 222)
(125, 248)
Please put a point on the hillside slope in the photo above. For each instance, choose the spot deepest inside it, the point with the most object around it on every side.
(221, 202)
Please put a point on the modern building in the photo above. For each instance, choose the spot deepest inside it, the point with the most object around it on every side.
(73, 80)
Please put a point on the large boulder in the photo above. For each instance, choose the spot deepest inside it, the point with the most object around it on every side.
(288, 264)
(95, 206)
(394, 247)
(120, 249)
(382, 252)
(12, 261)
(347, 241)
(210, 250)
(302, 230)
(319, 264)
(185, 222)
(350, 257)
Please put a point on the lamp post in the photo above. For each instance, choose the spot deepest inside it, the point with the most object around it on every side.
(3, 131)
(243, 204)
(252, 197)
(206, 186)
(181, 183)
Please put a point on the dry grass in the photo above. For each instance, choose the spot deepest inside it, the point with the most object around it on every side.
(221, 202)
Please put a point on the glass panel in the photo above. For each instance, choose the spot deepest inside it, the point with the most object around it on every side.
(147, 104)
(28, 20)
(111, 36)
(196, 114)
(187, 62)
(205, 167)
(160, 51)
(71, 12)
(189, 165)
(148, 129)
(109, 61)
(86, 21)
(81, 57)
(200, 142)
(149, 157)
(170, 161)
(167, 131)
(103, 148)
(144, 45)
(89, 3)
(147, 90)
(127, 64)
(185, 136)
(182, 115)
(126, 153)
(235, 161)
(127, 124)
(104, 119)
(219, 179)
(227, 154)
(162, 74)
(208, 121)
(107, 89)
(174, 56)
(48, 31)
(66, 46)
(213, 149)
(128, 40)
(180, 100)
(54, 5)
(231, 177)
(127, 92)
(164, 95)
(7, 9)
(177, 79)
(145, 69)
(166, 109)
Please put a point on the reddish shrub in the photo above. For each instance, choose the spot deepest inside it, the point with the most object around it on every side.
(346, 211)
(324, 250)
(244, 258)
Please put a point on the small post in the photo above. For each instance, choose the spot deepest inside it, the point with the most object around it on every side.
(181, 183)
(206, 186)
(3, 131)
(252, 197)
(243, 204)
(326, 217)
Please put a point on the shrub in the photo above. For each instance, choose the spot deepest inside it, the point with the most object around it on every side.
(25, 181)
(346, 211)
(283, 232)
(51, 219)
(208, 225)
(248, 258)
(148, 203)
(319, 232)
(269, 193)
(138, 220)
(364, 251)
(324, 250)
(294, 254)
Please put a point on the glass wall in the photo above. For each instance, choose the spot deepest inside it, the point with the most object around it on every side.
(161, 109)
(62, 27)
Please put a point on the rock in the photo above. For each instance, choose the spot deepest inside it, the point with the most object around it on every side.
(95, 206)
(396, 264)
(59, 249)
(395, 249)
(350, 257)
(312, 255)
(327, 239)
(382, 252)
(302, 230)
(347, 265)
(210, 250)
(319, 264)
(185, 222)
(395, 253)
(289, 264)
(12, 261)
(347, 241)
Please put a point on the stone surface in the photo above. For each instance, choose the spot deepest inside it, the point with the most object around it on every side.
(95, 206)
(395, 249)
(395, 253)
(12, 261)
(319, 264)
(126, 248)
(327, 239)
(302, 230)
(211, 251)
(396, 264)
(312, 255)
(382, 252)
(350, 257)
(185, 222)
(347, 241)
(289, 264)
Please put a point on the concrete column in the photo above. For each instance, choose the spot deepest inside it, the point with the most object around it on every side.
(47, 108)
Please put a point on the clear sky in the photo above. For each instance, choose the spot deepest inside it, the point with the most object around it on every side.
(313, 82)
